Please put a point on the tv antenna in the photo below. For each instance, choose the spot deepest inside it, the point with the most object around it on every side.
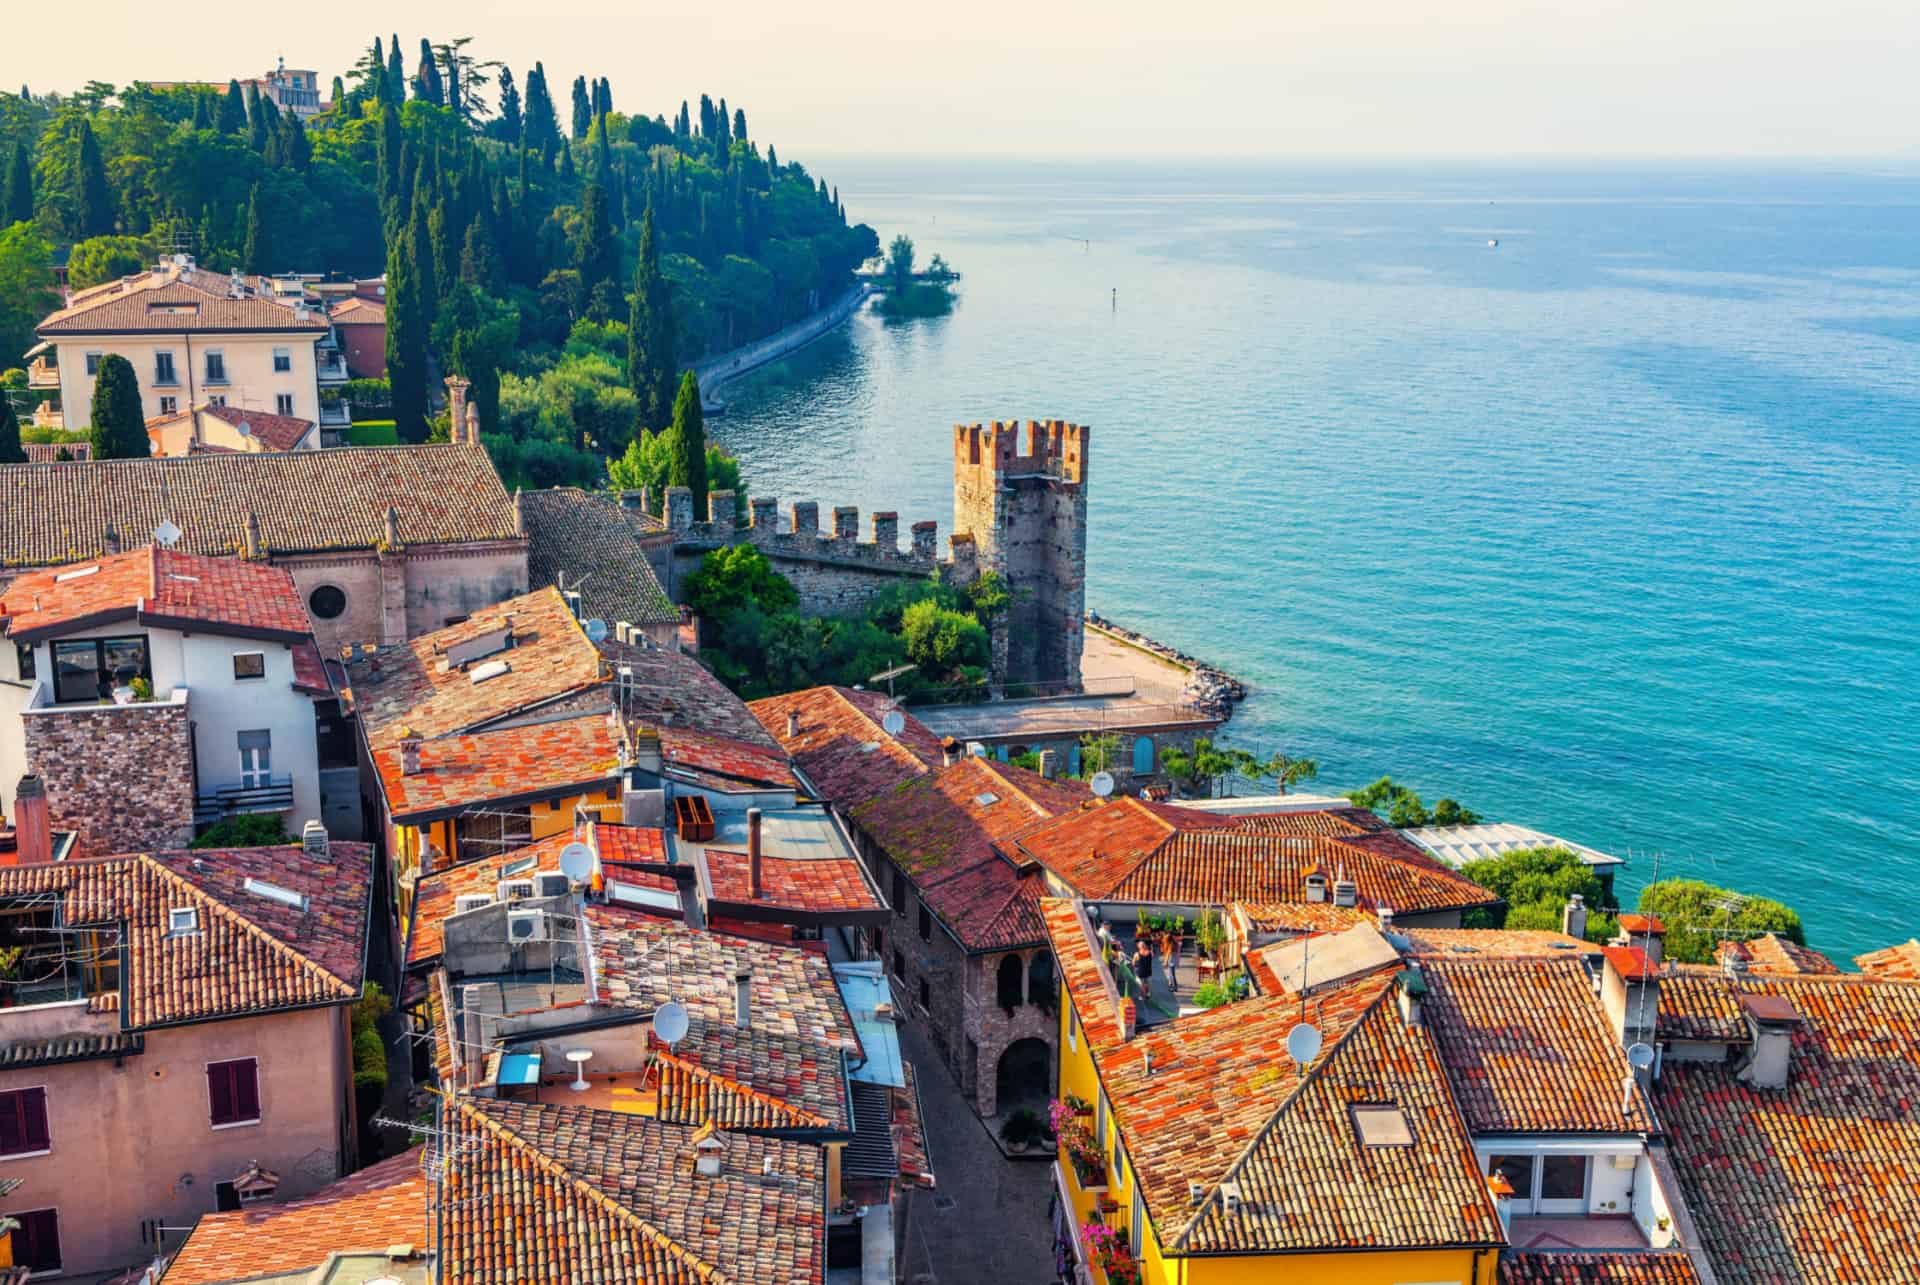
(888, 675)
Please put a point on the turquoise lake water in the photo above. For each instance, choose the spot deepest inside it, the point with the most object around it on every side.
(1610, 530)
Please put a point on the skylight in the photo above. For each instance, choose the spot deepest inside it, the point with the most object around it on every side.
(519, 867)
(1382, 1126)
(479, 648)
(274, 892)
(182, 919)
(75, 575)
(986, 800)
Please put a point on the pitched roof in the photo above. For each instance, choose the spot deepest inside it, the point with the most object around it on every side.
(355, 311)
(382, 1205)
(562, 1193)
(1814, 1181)
(1094, 849)
(306, 501)
(1313, 821)
(1772, 953)
(722, 763)
(1618, 1267)
(590, 541)
(1527, 1047)
(1495, 943)
(248, 953)
(840, 745)
(824, 885)
(275, 432)
(435, 894)
(144, 305)
(417, 686)
(1895, 963)
(753, 1079)
(160, 587)
(49, 452)
(669, 689)
(525, 761)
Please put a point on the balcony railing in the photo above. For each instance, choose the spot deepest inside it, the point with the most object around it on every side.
(335, 414)
(43, 374)
(333, 371)
(239, 800)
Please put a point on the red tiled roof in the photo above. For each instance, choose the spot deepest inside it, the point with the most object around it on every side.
(1325, 822)
(561, 1193)
(144, 306)
(630, 843)
(1495, 943)
(1094, 849)
(723, 763)
(526, 761)
(753, 1080)
(670, 689)
(909, 1133)
(1214, 867)
(381, 1206)
(840, 745)
(824, 885)
(309, 671)
(248, 954)
(160, 587)
(592, 542)
(49, 452)
(1636, 923)
(1621, 1267)
(1527, 1047)
(276, 432)
(1772, 953)
(355, 311)
(1815, 1181)
(435, 894)
(1630, 962)
(1895, 963)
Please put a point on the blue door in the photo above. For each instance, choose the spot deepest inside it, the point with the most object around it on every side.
(1143, 756)
(1073, 759)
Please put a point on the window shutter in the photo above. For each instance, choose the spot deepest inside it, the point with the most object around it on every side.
(13, 1129)
(33, 1112)
(220, 1089)
(246, 1085)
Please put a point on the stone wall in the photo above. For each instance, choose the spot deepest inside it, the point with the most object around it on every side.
(120, 775)
(396, 594)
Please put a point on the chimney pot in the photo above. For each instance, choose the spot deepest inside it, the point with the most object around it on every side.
(793, 724)
(313, 838)
(111, 542)
(33, 828)
(949, 750)
(1046, 764)
(409, 754)
(1573, 917)
(753, 853)
(743, 999)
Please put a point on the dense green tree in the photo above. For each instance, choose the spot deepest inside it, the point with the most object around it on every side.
(16, 200)
(426, 77)
(419, 241)
(582, 108)
(688, 439)
(506, 127)
(739, 124)
(596, 253)
(479, 260)
(256, 118)
(10, 449)
(26, 285)
(406, 342)
(1698, 916)
(92, 198)
(899, 268)
(1403, 809)
(1538, 882)
(258, 255)
(119, 426)
(651, 365)
(233, 111)
(396, 72)
(542, 126)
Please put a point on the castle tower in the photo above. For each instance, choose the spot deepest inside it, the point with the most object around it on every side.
(1027, 514)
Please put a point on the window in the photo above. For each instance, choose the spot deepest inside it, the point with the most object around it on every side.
(169, 405)
(282, 360)
(1137, 1228)
(36, 1241)
(326, 602)
(249, 664)
(86, 669)
(1563, 1178)
(1100, 1119)
(23, 1123)
(926, 923)
(899, 966)
(283, 403)
(1518, 1171)
(1381, 1126)
(24, 653)
(182, 920)
(256, 759)
(163, 369)
(93, 362)
(1007, 983)
(1073, 1028)
(218, 399)
(926, 996)
(216, 367)
(233, 1092)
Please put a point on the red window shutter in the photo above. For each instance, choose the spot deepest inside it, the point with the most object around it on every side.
(33, 1112)
(220, 1090)
(246, 1089)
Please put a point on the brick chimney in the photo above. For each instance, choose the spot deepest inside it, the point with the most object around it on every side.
(32, 827)
(743, 999)
(457, 408)
(753, 854)
(409, 753)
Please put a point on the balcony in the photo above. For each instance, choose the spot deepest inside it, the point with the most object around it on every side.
(332, 369)
(241, 800)
(335, 415)
(49, 415)
(43, 374)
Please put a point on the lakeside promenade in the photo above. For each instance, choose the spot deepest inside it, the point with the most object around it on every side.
(716, 372)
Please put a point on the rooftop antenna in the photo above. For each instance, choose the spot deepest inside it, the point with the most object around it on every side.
(888, 675)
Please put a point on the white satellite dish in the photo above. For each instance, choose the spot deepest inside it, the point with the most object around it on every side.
(1303, 1042)
(670, 1022)
(576, 862)
(1102, 784)
(894, 723)
(1640, 1056)
(596, 630)
(166, 535)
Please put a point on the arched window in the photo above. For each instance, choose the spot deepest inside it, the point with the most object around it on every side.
(1007, 990)
(1143, 756)
(1040, 981)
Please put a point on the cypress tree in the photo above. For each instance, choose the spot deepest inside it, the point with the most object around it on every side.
(597, 255)
(420, 244)
(603, 154)
(682, 126)
(740, 124)
(773, 161)
(406, 344)
(687, 446)
(426, 76)
(10, 449)
(582, 109)
(454, 100)
(338, 92)
(396, 71)
(258, 254)
(542, 126)
(479, 261)
(119, 429)
(256, 120)
(93, 200)
(18, 206)
(723, 125)
(202, 118)
(296, 149)
(566, 162)
(446, 251)
(387, 149)
(650, 357)
(508, 126)
(233, 110)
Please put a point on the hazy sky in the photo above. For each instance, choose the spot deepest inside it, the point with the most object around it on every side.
(1337, 78)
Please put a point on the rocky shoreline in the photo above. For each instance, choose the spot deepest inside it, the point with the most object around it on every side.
(1209, 688)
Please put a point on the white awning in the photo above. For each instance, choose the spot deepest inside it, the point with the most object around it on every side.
(37, 349)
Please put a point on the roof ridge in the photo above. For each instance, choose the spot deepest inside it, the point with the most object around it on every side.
(347, 989)
(701, 1269)
(745, 1090)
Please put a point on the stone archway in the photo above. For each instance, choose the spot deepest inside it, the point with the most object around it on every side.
(1024, 1076)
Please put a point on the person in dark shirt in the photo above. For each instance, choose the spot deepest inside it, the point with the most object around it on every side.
(1143, 964)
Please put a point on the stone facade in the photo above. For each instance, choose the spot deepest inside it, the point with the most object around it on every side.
(119, 775)
(401, 592)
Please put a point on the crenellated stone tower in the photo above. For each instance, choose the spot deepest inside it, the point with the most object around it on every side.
(1025, 516)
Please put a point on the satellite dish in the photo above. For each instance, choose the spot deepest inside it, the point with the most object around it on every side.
(894, 723)
(1303, 1042)
(166, 535)
(1102, 783)
(1640, 1056)
(670, 1022)
(243, 428)
(596, 631)
(576, 862)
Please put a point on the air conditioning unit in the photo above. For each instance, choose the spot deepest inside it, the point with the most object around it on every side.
(526, 925)
(471, 901)
(552, 883)
(513, 889)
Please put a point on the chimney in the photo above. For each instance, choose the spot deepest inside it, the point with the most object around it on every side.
(1630, 994)
(753, 854)
(1645, 932)
(1345, 892)
(1573, 917)
(646, 752)
(457, 408)
(634, 500)
(1046, 764)
(679, 508)
(409, 753)
(1733, 959)
(473, 423)
(1316, 884)
(313, 839)
(1770, 1021)
(1385, 915)
(1230, 1197)
(393, 527)
(949, 751)
(743, 999)
(793, 724)
(110, 543)
(250, 546)
(575, 602)
(1413, 990)
(33, 829)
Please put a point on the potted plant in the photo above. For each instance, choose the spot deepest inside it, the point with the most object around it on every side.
(1211, 934)
(1022, 1128)
(1107, 1247)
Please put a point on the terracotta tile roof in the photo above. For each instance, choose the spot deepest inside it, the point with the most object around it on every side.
(159, 587)
(1815, 1181)
(723, 763)
(306, 500)
(1527, 1047)
(824, 885)
(1630, 962)
(753, 1080)
(414, 686)
(1326, 822)
(670, 689)
(1771, 953)
(588, 538)
(1300, 917)
(275, 432)
(1094, 849)
(146, 306)
(1626, 1267)
(620, 843)
(1495, 943)
(49, 452)
(562, 1193)
(309, 671)
(380, 1206)
(434, 894)
(1637, 923)
(1895, 963)
(355, 311)
(528, 760)
(840, 746)
(1218, 866)
(53, 1050)
(248, 953)
(909, 1132)
(1696, 1004)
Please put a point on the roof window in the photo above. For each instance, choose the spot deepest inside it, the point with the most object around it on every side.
(182, 920)
(492, 669)
(986, 800)
(65, 576)
(519, 867)
(1382, 1126)
(462, 654)
(274, 892)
